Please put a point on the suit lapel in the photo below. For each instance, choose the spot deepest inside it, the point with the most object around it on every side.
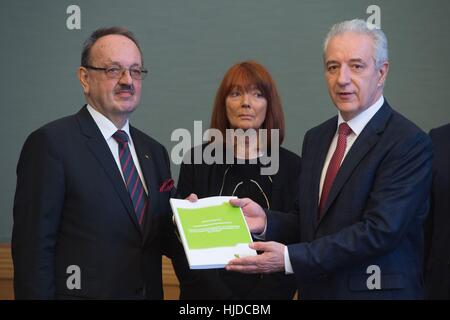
(363, 144)
(151, 179)
(98, 146)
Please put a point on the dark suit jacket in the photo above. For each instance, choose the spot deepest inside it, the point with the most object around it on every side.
(71, 207)
(373, 215)
(437, 277)
(205, 181)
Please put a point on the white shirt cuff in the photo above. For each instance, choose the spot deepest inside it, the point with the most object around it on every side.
(287, 262)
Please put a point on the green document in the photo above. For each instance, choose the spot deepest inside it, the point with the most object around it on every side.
(215, 226)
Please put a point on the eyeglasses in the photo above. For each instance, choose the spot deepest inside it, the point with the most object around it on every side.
(116, 72)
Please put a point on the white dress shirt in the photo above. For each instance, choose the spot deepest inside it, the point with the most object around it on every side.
(107, 129)
(357, 124)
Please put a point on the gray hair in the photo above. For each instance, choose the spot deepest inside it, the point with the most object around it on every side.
(380, 45)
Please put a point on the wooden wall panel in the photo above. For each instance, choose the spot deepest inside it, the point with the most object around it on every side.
(6, 273)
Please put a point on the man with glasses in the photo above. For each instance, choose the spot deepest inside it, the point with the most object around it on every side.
(91, 219)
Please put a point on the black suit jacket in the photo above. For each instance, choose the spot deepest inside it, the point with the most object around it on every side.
(373, 217)
(206, 180)
(437, 277)
(72, 208)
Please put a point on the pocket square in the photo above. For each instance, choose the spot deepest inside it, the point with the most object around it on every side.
(166, 185)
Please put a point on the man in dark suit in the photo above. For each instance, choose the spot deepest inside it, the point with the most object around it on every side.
(437, 275)
(364, 188)
(91, 210)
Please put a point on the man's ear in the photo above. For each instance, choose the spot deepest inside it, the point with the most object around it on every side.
(83, 76)
(383, 71)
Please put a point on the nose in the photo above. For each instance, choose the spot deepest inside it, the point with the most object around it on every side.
(125, 78)
(245, 101)
(344, 76)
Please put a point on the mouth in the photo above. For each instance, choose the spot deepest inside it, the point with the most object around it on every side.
(246, 117)
(345, 95)
(124, 93)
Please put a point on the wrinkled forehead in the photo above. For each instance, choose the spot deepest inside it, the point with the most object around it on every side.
(350, 45)
(116, 49)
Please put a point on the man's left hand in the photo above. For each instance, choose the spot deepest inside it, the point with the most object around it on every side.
(271, 260)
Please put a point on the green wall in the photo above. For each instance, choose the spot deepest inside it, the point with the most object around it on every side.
(188, 45)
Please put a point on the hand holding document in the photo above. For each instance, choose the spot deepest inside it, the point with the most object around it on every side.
(212, 231)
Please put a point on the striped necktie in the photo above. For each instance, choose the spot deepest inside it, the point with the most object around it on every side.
(131, 176)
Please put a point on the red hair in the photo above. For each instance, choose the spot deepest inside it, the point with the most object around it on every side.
(245, 76)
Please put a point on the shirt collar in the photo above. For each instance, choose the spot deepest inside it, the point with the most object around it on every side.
(107, 128)
(358, 123)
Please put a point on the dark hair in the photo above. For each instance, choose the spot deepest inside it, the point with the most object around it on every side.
(97, 34)
(245, 75)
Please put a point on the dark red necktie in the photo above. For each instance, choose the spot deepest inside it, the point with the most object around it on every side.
(131, 176)
(335, 162)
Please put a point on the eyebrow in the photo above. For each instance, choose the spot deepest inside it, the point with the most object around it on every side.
(357, 60)
(331, 62)
(351, 61)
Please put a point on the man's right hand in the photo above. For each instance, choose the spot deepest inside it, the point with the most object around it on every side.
(253, 213)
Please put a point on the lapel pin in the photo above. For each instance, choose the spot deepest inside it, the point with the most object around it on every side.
(147, 156)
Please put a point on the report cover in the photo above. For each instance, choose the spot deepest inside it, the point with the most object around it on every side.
(212, 231)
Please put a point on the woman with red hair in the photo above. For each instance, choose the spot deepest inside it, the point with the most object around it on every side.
(246, 99)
